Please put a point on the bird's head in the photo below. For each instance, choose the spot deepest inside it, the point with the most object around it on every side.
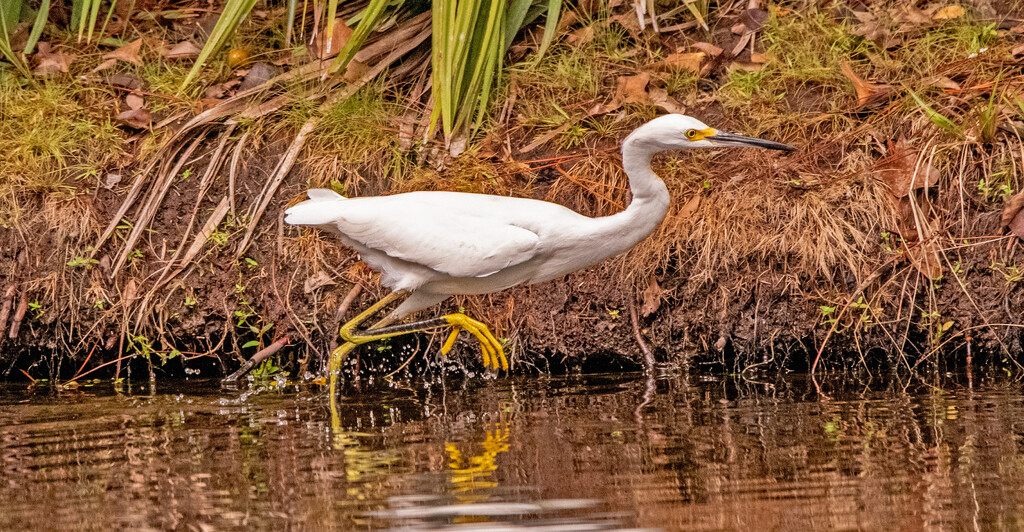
(674, 132)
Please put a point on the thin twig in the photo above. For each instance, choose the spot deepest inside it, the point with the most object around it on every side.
(634, 318)
(255, 360)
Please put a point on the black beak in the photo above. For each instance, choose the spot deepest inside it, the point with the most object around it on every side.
(735, 141)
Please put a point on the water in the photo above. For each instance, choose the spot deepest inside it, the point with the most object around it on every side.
(530, 453)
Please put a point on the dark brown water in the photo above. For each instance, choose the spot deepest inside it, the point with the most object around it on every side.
(527, 453)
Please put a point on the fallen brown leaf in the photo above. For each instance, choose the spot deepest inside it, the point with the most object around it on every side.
(105, 65)
(868, 94)
(753, 19)
(340, 36)
(942, 82)
(651, 298)
(660, 98)
(924, 256)
(686, 61)
(128, 81)
(914, 15)
(707, 48)
(746, 67)
(136, 118)
(689, 208)
(873, 30)
(134, 101)
(633, 89)
(318, 280)
(1013, 215)
(900, 170)
(183, 50)
(48, 62)
(949, 12)
(128, 53)
(581, 36)
(757, 58)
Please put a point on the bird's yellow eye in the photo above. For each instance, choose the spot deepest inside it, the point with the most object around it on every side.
(691, 133)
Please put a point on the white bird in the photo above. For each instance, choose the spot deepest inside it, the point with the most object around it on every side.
(431, 245)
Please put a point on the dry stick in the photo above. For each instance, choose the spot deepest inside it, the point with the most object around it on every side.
(18, 316)
(105, 364)
(339, 315)
(286, 163)
(633, 317)
(5, 311)
(860, 288)
(158, 192)
(86, 361)
(225, 108)
(232, 172)
(27, 375)
(256, 359)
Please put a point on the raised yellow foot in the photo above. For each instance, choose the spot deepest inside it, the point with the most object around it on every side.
(490, 348)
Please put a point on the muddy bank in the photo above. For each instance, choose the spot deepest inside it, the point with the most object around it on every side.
(224, 306)
(891, 237)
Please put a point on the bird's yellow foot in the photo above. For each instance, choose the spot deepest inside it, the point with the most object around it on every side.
(491, 349)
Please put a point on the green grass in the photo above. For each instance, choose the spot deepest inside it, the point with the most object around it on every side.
(55, 137)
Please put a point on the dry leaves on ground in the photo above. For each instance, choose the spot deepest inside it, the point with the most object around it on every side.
(949, 12)
(1013, 214)
(651, 298)
(48, 62)
(340, 37)
(633, 89)
(137, 118)
(924, 256)
(904, 170)
(183, 50)
(128, 53)
(868, 94)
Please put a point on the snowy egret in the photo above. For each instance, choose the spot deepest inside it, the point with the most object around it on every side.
(428, 246)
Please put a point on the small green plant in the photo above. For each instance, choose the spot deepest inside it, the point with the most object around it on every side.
(190, 301)
(251, 263)
(827, 314)
(98, 305)
(888, 241)
(867, 313)
(36, 308)
(266, 370)
(997, 186)
(83, 262)
(1012, 274)
(935, 326)
(219, 237)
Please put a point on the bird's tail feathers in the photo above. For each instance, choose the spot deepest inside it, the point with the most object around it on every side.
(317, 210)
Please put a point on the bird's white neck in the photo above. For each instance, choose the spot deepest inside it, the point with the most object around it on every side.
(649, 204)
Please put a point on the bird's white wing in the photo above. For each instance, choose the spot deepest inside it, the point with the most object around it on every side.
(446, 238)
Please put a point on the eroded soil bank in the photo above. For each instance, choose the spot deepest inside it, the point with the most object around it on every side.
(889, 237)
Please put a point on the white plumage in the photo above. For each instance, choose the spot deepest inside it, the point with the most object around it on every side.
(436, 244)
